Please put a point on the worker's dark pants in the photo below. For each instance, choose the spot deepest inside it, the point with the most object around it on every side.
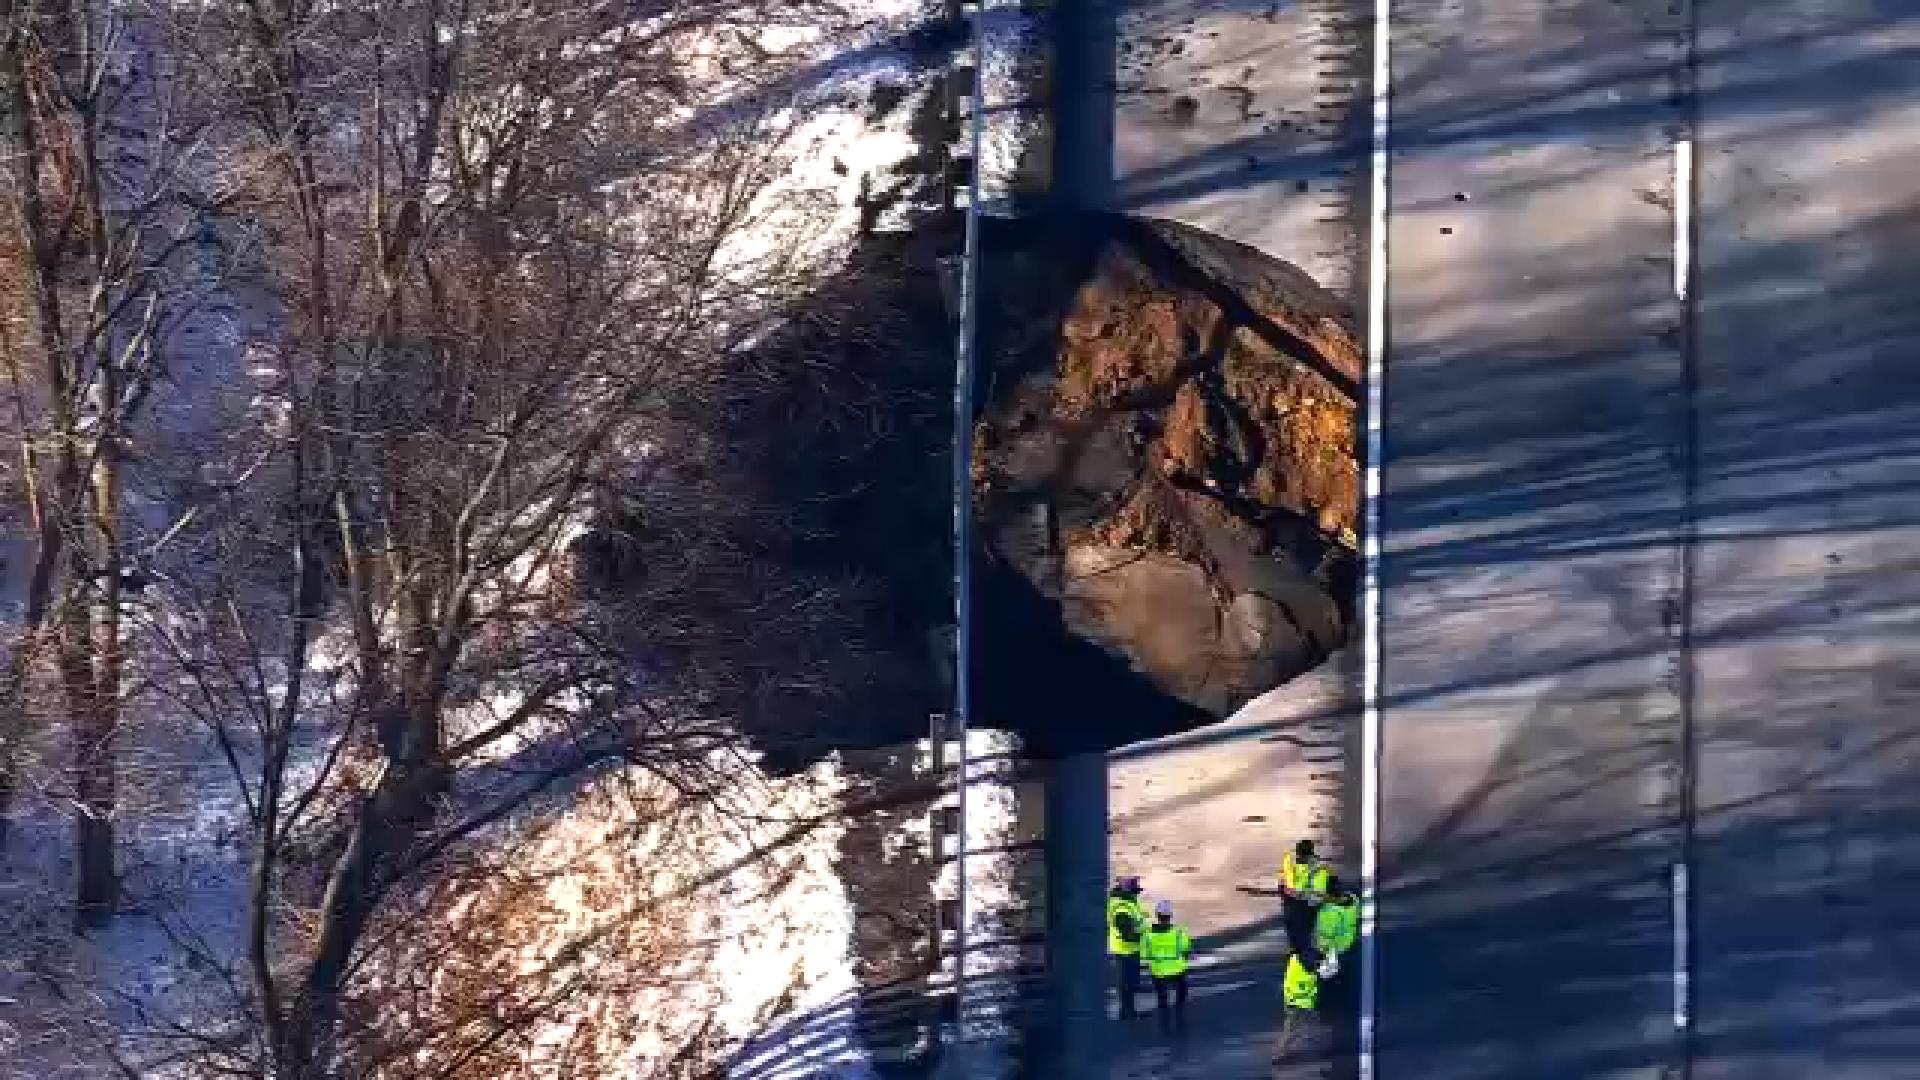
(1298, 916)
(1174, 986)
(1127, 971)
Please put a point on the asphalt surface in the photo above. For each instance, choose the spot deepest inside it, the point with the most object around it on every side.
(1808, 597)
(1534, 516)
(1609, 539)
(1652, 564)
(1245, 118)
(1200, 817)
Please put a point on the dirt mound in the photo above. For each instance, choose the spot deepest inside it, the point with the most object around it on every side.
(1166, 456)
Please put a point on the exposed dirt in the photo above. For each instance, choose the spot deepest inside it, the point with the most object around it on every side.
(1167, 456)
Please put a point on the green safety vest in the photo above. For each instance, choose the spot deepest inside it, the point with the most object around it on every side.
(1304, 879)
(1303, 986)
(1337, 925)
(1117, 945)
(1167, 948)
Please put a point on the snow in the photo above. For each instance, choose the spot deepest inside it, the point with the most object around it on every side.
(820, 126)
(1012, 47)
(992, 955)
(165, 958)
(616, 874)
(755, 965)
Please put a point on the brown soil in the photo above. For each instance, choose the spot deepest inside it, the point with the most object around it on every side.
(1194, 400)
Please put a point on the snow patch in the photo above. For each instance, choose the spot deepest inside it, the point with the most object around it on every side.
(700, 924)
(1012, 48)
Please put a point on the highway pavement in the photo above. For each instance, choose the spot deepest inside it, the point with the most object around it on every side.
(1807, 599)
(1649, 598)
(1533, 524)
(1200, 817)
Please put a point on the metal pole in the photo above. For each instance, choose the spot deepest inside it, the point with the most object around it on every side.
(963, 378)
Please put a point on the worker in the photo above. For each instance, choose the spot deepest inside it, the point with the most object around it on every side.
(1167, 947)
(1303, 881)
(1306, 968)
(1302, 875)
(1337, 925)
(1302, 989)
(1125, 921)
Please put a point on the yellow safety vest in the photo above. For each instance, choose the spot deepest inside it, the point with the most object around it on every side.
(1303, 986)
(1117, 945)
(1167, 948)
(1337, 925)
(1303, 879)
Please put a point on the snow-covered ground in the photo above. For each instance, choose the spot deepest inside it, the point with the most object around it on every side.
(838, 147)
(1012, 150)
(699, 924)
(647, 925)
(994, 887)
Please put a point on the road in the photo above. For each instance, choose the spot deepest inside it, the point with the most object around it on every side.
(1533, 517)
(1807, 598)
(1202, 817)
(1199, 817)
(1619, 546)
(1651, 503)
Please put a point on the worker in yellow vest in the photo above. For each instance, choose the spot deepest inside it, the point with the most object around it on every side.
(1337, 925)
(1302, 989)
(1303, 882)
(1306, 968)
(1167, 948)
(1126, 919)
(1302, 875)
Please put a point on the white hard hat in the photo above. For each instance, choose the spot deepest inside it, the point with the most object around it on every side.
(1329, 964)
(1163, 907)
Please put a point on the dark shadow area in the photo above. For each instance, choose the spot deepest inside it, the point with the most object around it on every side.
(803, 522)
(1034, 673)
(811, 543)
(1084, 39)
(1065, 1019)
(889, 885)
(823, 579)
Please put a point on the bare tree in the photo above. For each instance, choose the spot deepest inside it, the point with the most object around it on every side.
(511, 237)
(107, 200)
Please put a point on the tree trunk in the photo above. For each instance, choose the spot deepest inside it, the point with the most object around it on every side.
(389, 821)
(97, 713)
(13, 727)
(22, 140)
(93, 794)
(13, 732)
(15, 724)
